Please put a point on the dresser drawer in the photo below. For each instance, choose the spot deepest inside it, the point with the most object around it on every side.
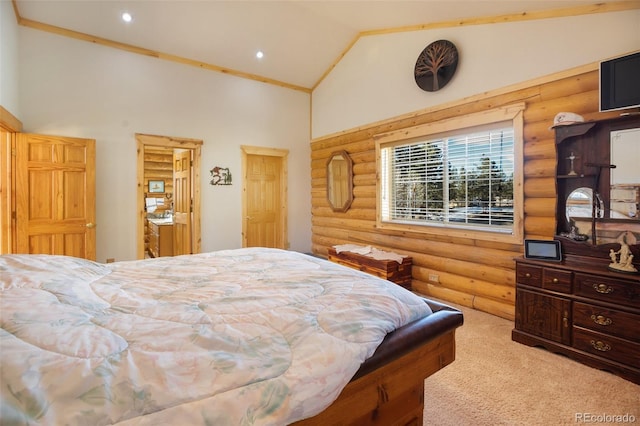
(609, 347)
(529, 275)
(547, 278)
(597, 318)
(626, 293)
(557, 280)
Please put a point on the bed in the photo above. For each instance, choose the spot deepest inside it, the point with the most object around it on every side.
(246, 336)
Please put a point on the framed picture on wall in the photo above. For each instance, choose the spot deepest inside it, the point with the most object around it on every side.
(156, 186)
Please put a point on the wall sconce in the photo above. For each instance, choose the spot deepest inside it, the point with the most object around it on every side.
(220, 176)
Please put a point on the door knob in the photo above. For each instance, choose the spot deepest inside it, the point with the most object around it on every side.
(90, 225)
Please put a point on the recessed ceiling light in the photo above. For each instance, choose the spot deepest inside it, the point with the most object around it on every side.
(259, 54)
(126, 17)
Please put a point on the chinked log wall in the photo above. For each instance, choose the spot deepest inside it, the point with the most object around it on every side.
(471, 272)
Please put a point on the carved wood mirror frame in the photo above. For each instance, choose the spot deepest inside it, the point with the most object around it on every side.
(340, 181)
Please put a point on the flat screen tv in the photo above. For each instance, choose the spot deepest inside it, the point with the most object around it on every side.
(620, 82)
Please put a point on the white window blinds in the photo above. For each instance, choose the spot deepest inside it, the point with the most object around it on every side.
(459, 180)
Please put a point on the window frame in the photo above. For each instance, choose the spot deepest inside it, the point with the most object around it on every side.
(511, 113)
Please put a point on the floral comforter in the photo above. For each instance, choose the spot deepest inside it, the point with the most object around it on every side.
(234, 337)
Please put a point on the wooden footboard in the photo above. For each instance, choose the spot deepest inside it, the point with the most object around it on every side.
(389, 388)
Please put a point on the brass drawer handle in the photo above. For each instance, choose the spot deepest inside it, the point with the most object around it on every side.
(527, 275)
(601, 320)
(555, 281)
(600, 346)
(603, 288)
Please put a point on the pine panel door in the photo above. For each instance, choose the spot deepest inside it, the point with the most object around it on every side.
(263, 202)
(182, 202)
(55, 195)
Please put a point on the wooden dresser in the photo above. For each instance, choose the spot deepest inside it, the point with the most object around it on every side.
(160, 238)
(578, 307)
(399, 273)
(582, 310)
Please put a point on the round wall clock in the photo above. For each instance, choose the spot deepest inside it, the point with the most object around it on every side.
(436, 65)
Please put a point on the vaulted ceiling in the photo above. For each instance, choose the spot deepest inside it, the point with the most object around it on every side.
(301, 39)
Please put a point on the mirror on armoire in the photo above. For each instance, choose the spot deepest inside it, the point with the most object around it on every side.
(599, 180)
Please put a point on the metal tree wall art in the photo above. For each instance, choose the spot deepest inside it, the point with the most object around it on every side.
(220, 176)
(436, 65)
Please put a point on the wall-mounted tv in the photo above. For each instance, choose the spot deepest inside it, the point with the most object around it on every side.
(620, 82)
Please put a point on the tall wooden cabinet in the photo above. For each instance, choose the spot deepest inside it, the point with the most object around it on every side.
(579, 307)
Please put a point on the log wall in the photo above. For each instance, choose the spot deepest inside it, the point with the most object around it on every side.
(473, 273)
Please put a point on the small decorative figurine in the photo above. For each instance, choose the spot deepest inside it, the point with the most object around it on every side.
(625, 262)
(574, 234)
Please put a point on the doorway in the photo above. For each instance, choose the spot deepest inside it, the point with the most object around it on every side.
(191, 146)
(264, 201)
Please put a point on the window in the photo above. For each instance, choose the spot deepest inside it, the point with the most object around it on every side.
(457, 178)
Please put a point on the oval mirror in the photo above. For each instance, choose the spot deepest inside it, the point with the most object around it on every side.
(339, 181)
(580, 204)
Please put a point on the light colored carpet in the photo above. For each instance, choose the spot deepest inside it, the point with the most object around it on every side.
(496, 381)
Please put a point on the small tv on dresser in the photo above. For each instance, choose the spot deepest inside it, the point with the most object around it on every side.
(543, 250)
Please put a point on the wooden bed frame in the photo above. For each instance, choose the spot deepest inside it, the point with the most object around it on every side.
(388, 389)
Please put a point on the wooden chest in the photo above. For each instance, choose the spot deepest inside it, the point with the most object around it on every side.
(399, 273)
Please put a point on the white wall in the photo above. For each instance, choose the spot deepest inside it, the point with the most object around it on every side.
(9, 59)
(375, 81)
(74, 88)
